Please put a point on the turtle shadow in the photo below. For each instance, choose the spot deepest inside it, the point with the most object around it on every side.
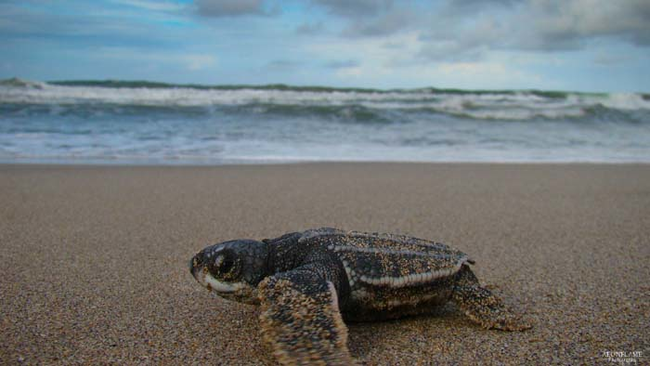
(366, 339)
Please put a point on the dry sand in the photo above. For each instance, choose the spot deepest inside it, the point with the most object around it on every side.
(93, 260)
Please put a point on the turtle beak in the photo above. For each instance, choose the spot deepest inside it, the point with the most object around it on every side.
(195, 264)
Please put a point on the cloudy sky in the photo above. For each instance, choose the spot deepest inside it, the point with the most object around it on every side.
(586, 45)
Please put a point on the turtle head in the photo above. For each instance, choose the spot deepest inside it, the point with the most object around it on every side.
(232, 269)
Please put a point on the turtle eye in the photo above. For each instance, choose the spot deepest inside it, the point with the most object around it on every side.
(225, 266)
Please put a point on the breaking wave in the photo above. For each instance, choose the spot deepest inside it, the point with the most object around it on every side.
(357, 104)
(139, 119)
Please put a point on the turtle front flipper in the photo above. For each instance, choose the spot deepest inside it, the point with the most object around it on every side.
(300, 319)
(483, 307)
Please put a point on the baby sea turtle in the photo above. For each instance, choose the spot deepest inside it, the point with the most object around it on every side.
(308, 282)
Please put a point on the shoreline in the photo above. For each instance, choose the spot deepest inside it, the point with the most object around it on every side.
(110, 164)
(93, 260)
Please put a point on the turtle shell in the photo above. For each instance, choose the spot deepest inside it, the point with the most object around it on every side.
(389, 260)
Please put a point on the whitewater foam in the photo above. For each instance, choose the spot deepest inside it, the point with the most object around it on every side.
(493, 105)
(140, 121)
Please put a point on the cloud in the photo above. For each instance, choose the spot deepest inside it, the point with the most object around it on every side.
(371, 18)
(473, 6)
(382, 43)
(230, 8)
(608, 59)
(567, 24)
(195, 62)
(152, 5)
(190, 61)
(310, 28)
(467, 30)
(385, 24)
(355, 8)
(283, 65)
(463, 39)
(489, 75)
(342, 64)
(118, 24)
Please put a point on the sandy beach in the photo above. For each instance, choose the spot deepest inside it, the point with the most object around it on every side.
(93, 260)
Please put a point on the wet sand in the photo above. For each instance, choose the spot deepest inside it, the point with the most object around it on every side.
(93, 260)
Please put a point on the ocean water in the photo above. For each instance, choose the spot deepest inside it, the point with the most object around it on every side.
(153, 123)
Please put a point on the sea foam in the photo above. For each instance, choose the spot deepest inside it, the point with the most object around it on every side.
(162, 123)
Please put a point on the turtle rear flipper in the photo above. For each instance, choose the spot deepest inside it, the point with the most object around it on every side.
(300, 319)
(482, 306)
